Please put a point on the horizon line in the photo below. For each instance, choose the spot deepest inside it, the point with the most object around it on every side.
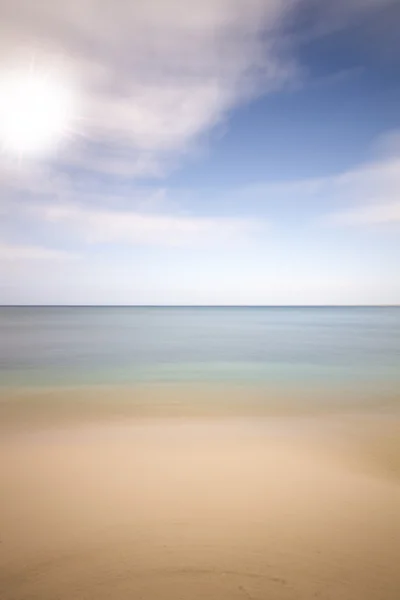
(199, 305)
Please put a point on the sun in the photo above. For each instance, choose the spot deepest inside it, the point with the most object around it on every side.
(36, 111)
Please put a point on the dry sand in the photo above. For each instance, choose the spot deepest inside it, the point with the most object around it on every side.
(185, 508)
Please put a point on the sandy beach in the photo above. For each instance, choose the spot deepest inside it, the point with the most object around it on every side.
(189, 506)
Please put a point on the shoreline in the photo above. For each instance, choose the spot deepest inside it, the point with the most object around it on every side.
(47, 403)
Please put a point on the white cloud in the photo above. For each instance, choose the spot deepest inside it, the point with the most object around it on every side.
(95, 225)
(365, 195)
(380, 214)
(154, 74)
(11, 252)
(371, 194)
(375, 181)
(368, 194)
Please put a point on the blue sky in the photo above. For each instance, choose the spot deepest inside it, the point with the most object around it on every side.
(237, 152)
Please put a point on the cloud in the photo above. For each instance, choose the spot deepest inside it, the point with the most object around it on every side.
(388, 145)
(95, 225)
(376, 181)
(93, 212)
(10, 252)
(382, 214)
(154, 75)
(371, 193)
(368, 194)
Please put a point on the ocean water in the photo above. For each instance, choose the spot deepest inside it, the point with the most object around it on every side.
(273, 345)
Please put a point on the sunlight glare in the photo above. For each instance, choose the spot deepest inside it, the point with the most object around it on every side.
(36, 110)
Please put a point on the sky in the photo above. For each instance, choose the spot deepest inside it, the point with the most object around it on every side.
(221, 152)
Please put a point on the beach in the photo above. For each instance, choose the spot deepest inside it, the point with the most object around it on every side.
(199, 300)
(197, 499)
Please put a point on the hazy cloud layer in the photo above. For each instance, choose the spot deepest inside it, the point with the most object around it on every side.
(364, 196)
(371, 194)
(14, 252)
(128, 227)
(152, 75)
(382, 214)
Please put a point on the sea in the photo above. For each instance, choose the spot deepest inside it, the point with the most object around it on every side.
(108, 345)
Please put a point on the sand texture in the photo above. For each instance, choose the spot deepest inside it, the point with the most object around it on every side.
(188, 508)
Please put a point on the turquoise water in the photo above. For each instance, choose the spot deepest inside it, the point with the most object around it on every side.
(122, 345)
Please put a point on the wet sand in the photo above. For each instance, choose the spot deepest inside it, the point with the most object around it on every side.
(190, 504)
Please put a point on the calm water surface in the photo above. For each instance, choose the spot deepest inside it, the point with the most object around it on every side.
(107, 345)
